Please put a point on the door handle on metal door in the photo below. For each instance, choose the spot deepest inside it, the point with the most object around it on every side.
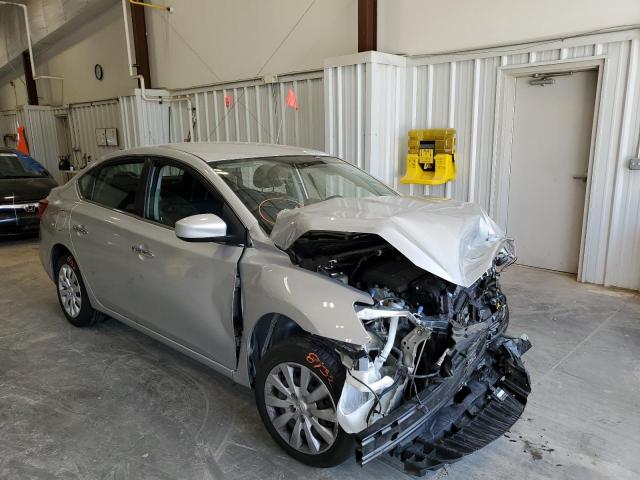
(580, 177)
(80, 229)
(140, 250)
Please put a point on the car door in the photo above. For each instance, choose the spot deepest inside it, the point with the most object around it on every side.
(103, 228)
(187, 291)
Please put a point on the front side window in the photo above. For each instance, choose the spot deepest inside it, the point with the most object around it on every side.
(177, 193)
(268, 185)
(113, 185)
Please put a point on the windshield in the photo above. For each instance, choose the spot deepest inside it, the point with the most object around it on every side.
(16, 165)
(268, 185)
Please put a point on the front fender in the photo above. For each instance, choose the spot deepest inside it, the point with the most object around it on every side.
(320, 305)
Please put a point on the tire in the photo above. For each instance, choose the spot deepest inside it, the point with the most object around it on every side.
(72, 294)
(291, 419)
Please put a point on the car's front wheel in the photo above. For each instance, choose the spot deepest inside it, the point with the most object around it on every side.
(298, 384)
(72, 293)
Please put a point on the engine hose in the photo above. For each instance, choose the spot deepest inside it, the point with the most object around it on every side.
(391, 338)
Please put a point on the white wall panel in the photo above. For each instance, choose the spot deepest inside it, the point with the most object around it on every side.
(365, 105)
(40, 131)
(345, 113)
(84, 119)
(622, 267)
(462, 90)
(143, 122)
(8, 126)
(257, 113)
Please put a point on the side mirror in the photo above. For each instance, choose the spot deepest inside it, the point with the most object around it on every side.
(201, 228)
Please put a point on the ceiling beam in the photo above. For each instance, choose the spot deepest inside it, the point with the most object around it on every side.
(141, 48)
(32, 88)
(367, 25)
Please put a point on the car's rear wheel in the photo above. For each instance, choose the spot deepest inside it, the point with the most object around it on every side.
(298, 384)
(72, 293)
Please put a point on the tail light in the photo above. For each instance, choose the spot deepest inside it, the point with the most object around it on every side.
(42, 206)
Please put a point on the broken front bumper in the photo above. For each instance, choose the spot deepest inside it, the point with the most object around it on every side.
(482, 398)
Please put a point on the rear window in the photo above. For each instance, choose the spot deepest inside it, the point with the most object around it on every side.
(114, 186)
(17, 165)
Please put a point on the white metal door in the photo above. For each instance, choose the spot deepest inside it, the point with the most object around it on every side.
(549, 163)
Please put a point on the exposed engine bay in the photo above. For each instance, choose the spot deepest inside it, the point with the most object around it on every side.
(426, 334)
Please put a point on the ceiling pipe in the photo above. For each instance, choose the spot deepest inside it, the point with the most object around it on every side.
(28, 30)
(151, 5)
(140, 78)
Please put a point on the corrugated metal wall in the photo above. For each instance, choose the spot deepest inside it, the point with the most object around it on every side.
(363, 102)
(143, 122)
(8, 121)
(257, 113)
(84, 119)
(40, 131)
(373, 99)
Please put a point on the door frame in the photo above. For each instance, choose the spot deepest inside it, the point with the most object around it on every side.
(62, 122)
(503, 135)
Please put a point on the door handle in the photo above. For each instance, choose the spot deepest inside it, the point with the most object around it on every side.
(141, 250)
(80, 229)
(580, 177)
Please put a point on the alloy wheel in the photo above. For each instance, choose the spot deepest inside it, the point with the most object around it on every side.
(69, 290)
(301, 408)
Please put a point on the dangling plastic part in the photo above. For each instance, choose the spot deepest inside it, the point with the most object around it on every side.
(292, 100)
(356, 399)
(22, 141)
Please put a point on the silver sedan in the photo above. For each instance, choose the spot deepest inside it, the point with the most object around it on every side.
(346, 306)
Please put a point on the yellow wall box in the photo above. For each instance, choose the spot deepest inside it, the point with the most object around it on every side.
(431, 157)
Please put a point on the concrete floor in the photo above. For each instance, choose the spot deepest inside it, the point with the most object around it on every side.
(109, 403)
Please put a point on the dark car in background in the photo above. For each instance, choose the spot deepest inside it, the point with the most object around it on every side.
(23, 183)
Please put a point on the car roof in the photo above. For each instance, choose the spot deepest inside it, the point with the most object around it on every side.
(216, 151)
(16, 152)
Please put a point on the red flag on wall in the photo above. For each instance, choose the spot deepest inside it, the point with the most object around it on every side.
(292, 100)
(22, 141)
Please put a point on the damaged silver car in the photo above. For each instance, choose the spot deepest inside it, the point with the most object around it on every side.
(367, 322)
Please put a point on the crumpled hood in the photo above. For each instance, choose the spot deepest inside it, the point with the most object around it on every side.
(454, 240)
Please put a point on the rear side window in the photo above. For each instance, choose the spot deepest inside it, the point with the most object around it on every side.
(114, 186)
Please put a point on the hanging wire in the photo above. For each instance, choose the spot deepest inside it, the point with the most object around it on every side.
(237, 100)
(284, 39)
(276, 112)
(193, 50)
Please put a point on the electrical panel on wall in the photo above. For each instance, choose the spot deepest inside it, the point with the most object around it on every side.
(107, 137)
(101, 137)
(111, 135)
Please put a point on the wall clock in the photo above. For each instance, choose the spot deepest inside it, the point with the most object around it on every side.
(98, 71)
